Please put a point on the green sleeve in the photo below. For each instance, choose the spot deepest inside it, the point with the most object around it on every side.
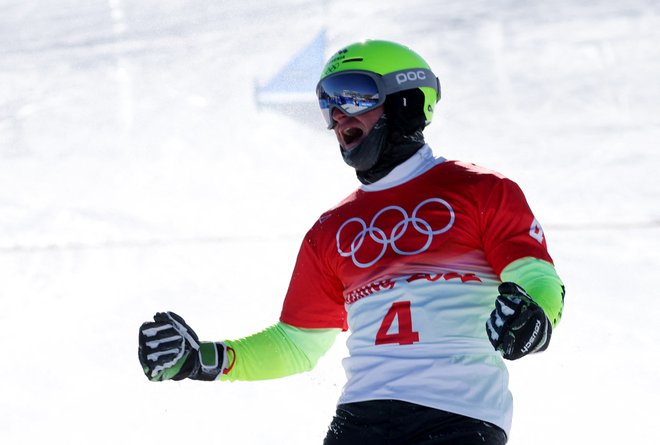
(541, 282)
(277, 351)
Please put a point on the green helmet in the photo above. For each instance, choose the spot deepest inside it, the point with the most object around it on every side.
(401, 68)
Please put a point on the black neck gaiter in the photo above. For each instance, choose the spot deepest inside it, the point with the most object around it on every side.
(366, 155)
(381, 151)
(398, 149)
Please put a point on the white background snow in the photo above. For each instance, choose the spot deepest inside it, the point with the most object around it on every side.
(137, 174)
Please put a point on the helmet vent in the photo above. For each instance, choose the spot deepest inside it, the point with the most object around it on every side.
(354, 59)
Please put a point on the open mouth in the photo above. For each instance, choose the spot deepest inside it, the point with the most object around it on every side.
(351, 135)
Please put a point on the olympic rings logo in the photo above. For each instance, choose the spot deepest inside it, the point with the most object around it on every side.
(385, 240)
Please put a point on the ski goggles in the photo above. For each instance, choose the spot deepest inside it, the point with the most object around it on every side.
(356, 92)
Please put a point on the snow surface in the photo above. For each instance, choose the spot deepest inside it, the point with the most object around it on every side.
(137, 174)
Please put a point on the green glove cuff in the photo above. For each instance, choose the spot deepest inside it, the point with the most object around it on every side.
(208, 355)
(211, 361)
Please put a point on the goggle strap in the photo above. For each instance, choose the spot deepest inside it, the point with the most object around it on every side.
(407, 79)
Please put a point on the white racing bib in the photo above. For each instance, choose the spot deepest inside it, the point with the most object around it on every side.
(421, 338)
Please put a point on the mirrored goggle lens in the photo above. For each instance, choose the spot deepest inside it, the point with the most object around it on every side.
(353, 93)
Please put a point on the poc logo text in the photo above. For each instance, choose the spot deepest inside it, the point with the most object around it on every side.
(410, 76)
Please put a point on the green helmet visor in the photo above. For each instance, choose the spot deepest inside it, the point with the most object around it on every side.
(356, 92)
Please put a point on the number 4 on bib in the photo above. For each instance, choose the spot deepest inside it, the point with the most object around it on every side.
(405, 336)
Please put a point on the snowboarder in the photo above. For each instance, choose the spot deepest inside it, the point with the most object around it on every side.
(438, 268)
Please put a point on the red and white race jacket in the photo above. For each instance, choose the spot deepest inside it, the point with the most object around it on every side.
(411, 266)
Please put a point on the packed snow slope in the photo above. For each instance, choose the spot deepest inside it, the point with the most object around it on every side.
(138, 174)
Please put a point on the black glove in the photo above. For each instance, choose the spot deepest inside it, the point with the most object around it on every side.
(518, 326)
(170, 350)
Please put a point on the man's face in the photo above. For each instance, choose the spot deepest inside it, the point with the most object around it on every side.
(351, 130)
